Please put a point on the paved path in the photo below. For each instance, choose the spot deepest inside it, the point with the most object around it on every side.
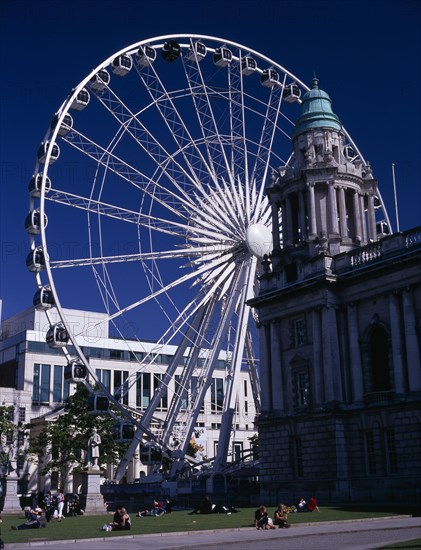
(349, 535)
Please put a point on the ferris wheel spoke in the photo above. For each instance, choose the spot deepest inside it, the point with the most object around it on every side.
(176, 125)
(200, 95)
(259, 172)
(206, 232)
(131, 175)
(239, 152)
(149, 144)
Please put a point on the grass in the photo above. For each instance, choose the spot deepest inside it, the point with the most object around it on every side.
(89, 526)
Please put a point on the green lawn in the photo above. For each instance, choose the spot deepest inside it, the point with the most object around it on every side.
(89, 526)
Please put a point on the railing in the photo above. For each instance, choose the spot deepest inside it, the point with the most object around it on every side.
(379, 397)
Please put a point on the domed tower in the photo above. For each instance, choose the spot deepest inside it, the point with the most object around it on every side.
(326, 194)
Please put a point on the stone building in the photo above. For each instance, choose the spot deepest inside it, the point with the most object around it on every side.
(340, 318)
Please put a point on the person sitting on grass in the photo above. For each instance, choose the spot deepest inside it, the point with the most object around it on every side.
(281, 516)
(156, 510)
(262, 520)
(121, 520)
(312, 505)
(36, 521)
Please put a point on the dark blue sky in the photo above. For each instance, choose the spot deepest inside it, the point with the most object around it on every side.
(366, 54)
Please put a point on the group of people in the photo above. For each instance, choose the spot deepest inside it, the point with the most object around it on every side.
(48, 507)
(207, 507)
(309, 506)
(121, 521)
(262, 520)
(157, 509)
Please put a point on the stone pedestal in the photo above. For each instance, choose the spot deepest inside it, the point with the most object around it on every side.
(91, 487)
(11, 500)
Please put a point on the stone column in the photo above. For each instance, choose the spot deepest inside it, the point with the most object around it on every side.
(275, 227)
(331, 357)
(354, 354)
(372, 232)
(363, 219)
(342, 213)
(312, 209)
(265, 368)
(395, 329)
(317, 390)
(287, 223)
(276, 357)
(333, 210)
(303, 224)
(357, 217)
(411, 341)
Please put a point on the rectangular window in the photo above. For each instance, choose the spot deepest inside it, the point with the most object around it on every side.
(217, 395)
(163, 402)
(238, 451)
(370, 452)
(22, 414)
(117, 354)
(184, 392)
(392, 455)
(300, 332)
(121, 388)
(301, 389)
(104, 376)
(58, 384)
(143, 390)
(136, 355)
(193, 392)
(41, 383)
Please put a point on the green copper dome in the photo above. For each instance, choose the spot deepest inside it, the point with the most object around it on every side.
(316, 111)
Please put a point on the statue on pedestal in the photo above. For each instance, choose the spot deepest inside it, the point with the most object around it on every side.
(93, 450)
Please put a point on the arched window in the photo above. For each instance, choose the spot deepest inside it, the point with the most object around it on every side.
(379, 359)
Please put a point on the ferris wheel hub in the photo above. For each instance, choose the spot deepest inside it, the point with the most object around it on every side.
(259, 240)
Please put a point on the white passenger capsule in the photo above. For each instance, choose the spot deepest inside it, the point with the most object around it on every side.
(269, 78)
(122, 64)
(35, 260)
(42, 152)
(222, 56)
(35, 183)
(81, 100)
(75, 371)
(291, 93)
(65, 126)
(248, 65)
(100, 80)
(197, 52)
(33, 222)
(123, 432)
(97, 404)
(145, 56)
(43, 299)
(150, 454)
(57, 336)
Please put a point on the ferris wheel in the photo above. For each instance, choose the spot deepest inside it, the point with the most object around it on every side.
(148, 203)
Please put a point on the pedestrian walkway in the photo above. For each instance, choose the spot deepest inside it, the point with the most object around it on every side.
(352, 535)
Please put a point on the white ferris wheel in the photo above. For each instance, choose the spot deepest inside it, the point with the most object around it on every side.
(148, 203)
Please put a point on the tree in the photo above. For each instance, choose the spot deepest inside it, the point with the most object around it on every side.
(66, 437)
